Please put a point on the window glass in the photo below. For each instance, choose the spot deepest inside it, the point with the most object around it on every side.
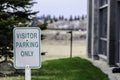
(103, 46)
(103, 23)
(103, 2)
(103, 30)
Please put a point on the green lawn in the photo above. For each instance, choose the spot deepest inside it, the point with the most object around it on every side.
(66, 69)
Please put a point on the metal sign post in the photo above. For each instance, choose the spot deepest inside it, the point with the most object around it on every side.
(27, 73)
(71, 43)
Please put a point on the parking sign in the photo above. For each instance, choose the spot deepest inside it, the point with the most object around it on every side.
(26, 42)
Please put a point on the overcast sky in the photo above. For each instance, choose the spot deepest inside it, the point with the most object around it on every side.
(61, 7)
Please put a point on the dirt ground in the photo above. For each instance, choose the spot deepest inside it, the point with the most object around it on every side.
(57, 44)
(61, 50)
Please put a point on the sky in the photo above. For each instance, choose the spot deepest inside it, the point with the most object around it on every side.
(61, 7)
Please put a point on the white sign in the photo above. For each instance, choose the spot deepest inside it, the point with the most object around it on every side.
(27, 51)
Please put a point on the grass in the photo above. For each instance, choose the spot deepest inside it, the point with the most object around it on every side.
(66, 69)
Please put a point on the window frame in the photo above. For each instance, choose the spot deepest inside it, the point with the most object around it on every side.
(103, 36)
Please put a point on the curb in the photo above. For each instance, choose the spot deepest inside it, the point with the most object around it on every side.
(110, 76)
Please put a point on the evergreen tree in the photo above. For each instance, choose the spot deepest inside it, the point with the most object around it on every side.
(71, 18)
(83, 17)
(75, 18)
(12, 13)
(61, 17)
(55, 19)
(48, 17)
(78, 17)
(65, 19)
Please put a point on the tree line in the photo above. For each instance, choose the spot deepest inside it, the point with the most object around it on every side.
(61, 18)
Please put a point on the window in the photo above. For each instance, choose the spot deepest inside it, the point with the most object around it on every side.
(103, 47)
(103, 23)
(103, 10)
(103, 2)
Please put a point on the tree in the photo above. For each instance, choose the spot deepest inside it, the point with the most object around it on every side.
(71, 18)
(61, 17)
(55, 19)
(76, 18)
(12, 13)
(83, 17)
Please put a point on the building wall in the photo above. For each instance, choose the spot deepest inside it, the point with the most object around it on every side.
(103, 30)
(117, 31)
(95, 28)
(111, 32)
(89, 28)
